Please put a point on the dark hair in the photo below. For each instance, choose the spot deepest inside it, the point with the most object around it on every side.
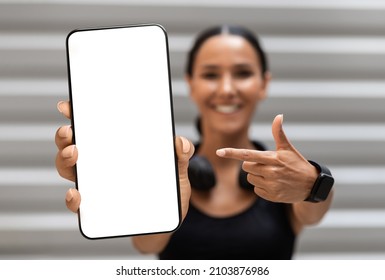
(225, 29)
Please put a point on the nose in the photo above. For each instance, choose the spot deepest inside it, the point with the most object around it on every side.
(226, 86)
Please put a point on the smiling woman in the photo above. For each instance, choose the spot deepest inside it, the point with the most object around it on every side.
(228, 78)
(230, 209)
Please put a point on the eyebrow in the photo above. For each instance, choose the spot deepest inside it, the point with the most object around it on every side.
(240, 65)
(243, 65)
(210, 66)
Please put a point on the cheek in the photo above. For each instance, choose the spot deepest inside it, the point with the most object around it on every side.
(202, 90)
(253, 93)
(206, 86)
(251, 88)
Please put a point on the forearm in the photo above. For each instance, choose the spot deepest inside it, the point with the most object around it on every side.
(151, 244)
(308, 213)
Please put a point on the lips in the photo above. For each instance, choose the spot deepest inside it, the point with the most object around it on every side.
(227, 109)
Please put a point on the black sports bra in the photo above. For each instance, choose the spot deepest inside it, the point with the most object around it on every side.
(263, 231)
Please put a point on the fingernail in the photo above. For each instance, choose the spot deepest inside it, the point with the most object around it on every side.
(220, 152)
(69, 196)
(68, 152)
(63, 132)
(185, 145)
(59, 104)
(281, 118)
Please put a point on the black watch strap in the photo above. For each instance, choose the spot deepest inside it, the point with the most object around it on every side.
(322, 185)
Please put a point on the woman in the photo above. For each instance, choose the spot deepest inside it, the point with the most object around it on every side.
(228, 77)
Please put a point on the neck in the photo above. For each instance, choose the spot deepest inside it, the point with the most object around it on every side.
(212, 142)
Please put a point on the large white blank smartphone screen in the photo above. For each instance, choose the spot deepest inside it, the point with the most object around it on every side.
(122, 119)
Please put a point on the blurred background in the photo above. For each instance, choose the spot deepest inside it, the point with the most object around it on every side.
(328, 64)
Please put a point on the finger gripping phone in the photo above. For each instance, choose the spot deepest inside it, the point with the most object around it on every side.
(122, 119)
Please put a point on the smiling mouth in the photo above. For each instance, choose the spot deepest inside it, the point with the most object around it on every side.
(227, 109)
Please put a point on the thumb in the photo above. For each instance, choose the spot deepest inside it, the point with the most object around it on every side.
(281, 141)
(184, 151)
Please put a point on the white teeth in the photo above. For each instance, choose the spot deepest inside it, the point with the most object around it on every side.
(226, 109)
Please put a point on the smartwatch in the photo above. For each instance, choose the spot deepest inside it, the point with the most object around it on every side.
(322, 185)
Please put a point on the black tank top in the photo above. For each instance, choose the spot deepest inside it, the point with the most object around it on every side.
(262, 231)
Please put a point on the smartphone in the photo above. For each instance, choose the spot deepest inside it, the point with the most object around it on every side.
(122, 119)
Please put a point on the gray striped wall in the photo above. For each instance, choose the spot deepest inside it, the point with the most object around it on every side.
(328, 65)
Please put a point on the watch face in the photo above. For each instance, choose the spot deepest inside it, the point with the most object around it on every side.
(325, 185)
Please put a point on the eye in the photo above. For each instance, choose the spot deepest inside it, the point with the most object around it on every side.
(209, 75)
(243, 74)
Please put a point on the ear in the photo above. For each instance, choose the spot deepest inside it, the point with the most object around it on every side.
(266, 82)
(189, 81)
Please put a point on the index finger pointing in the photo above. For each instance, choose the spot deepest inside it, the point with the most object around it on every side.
(264, 157)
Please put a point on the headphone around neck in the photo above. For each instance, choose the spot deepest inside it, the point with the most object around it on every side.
(202, 176)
